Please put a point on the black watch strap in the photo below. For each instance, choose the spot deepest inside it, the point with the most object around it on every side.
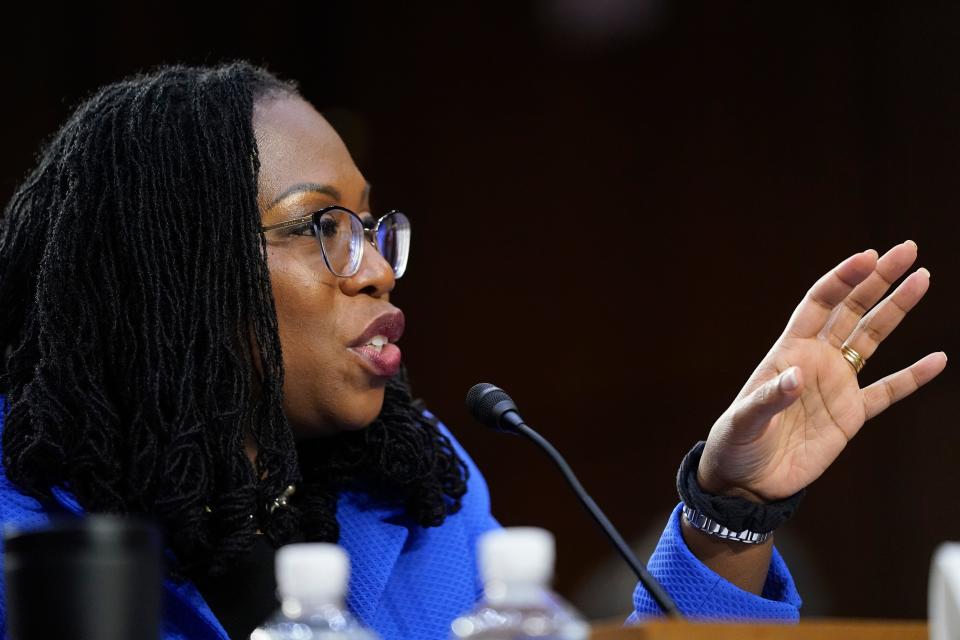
(734, 513)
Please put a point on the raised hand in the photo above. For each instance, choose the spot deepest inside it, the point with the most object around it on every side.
(803, 403)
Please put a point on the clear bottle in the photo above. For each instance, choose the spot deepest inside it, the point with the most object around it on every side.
(516, 566)
(311, 583)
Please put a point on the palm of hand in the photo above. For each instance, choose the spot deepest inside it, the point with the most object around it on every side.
(777, 438)
(804, 439)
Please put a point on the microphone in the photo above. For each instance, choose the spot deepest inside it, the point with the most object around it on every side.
(491, 406)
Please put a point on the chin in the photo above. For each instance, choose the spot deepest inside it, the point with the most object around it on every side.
(357, 413)
(366, 408)
(356, 425)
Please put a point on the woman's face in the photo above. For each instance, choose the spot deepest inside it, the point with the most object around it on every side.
(333, 380)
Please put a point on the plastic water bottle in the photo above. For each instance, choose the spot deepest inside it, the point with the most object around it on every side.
(516, 566)
(311, 583)
(943, 602)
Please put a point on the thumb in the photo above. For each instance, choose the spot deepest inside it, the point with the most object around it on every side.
(766, 401)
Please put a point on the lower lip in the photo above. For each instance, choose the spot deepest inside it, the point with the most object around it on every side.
(385, 362)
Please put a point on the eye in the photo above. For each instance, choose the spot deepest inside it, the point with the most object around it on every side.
(305, 229)
(328, 226)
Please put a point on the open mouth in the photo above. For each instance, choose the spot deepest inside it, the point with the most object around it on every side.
(377, 343)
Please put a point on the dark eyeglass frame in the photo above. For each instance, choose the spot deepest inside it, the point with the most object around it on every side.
(369, 234)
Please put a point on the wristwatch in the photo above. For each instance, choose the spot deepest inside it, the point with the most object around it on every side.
(711, 527)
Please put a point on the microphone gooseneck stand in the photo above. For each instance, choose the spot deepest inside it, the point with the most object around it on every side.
(491, 406)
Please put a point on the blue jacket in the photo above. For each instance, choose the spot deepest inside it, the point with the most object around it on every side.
(410, 582)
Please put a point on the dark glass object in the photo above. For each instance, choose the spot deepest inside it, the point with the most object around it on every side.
(97, 578)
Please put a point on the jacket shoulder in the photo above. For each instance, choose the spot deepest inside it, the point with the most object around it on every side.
(477, 499)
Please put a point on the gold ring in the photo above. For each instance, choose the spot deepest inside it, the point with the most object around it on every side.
(855, 359)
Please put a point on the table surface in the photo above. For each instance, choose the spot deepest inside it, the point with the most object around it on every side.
(821, 629)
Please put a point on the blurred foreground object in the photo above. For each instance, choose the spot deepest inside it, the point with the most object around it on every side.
(312, 581)
(98, 578)
(516, 566)
(944, 597)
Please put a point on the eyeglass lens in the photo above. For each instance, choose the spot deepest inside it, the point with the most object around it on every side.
(341, 235)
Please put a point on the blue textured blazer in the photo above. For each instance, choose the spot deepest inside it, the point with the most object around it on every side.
(410, 582)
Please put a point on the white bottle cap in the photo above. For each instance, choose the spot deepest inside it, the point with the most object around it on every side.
(517, 555)
(312, 572)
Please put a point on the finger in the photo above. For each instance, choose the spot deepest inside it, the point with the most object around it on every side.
(890, 267)
(897, 386)
(816, 307)
(884, 318)
(772, 397)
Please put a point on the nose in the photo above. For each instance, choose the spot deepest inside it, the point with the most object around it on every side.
(375, 276)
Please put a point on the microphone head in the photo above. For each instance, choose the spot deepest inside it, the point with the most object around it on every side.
(488, 403)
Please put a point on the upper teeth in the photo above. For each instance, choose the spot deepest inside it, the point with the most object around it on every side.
(377, 342)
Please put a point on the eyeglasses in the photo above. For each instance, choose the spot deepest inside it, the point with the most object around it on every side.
(341, 233)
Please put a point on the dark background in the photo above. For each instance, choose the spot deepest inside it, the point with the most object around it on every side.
(617, 205)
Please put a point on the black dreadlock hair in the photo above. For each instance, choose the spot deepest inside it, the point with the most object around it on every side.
(138, 334)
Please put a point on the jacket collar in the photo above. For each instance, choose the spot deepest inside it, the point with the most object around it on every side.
(373, 533)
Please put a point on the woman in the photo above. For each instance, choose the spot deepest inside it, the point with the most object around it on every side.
(196, 325)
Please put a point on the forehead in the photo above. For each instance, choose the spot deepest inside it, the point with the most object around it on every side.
(297, 145)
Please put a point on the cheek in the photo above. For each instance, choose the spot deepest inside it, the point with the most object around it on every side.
(306, 308)
(324, 389)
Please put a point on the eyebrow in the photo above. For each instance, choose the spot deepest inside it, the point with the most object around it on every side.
(313, 187)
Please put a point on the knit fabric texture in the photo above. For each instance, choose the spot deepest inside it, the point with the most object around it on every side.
(410, 582)
(700, 593)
